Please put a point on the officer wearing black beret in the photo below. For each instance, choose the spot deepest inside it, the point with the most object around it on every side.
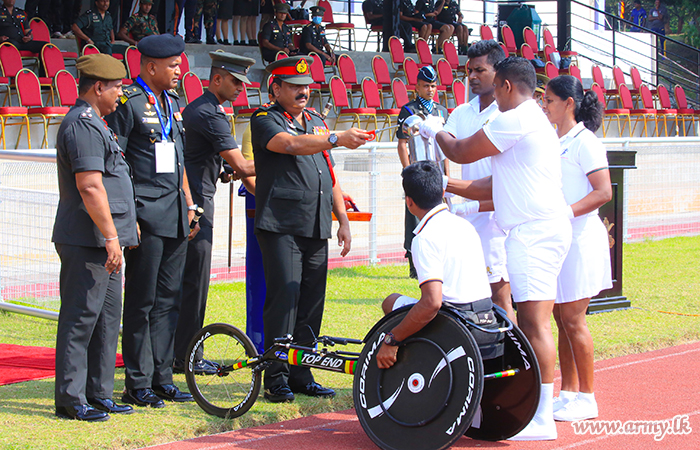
(209, 142)
(296, 191)
(149, 126)
(313, 37)
(276, 36)
(96, 216)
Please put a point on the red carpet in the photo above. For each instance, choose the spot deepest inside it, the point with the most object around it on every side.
(22, 363)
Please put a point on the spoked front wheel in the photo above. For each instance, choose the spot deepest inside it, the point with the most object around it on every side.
(234, 388)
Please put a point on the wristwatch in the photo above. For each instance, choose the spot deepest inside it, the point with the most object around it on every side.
(389, 339)
(333, 139)
(192, 207)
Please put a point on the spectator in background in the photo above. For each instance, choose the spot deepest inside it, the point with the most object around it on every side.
(249, 13)
(139, 25)
(276, 35)
(451, 15)
(96, 27)
(223, 17)
(15, 29)
(429, 9)
(638, 15)
(657, 20)
(410, 14)
(313, 37)
(267, 11)
(373, 11)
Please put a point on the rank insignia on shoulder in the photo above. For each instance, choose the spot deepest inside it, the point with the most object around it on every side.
(261, 113)
(177, 116)
(221, 109)
(123, 99)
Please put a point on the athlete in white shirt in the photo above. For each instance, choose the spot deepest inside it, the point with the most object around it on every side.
(586, 270)
(448, 257)
(464, 121)
(529, 204)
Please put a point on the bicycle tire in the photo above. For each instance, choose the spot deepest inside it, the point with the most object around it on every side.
(228, 393)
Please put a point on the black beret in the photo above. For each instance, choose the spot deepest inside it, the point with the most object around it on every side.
(161, 46)
(100, 66)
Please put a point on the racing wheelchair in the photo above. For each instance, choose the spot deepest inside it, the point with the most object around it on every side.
(439, 389)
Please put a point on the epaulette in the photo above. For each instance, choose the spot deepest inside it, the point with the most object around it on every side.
(87, 114)
(314, 112)
(127, 93)
(173, 93)
(262, 111)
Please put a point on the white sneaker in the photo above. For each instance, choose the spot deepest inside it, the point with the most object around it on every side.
(69, 35)
(578, 409)
(539, 429)
(57, 35)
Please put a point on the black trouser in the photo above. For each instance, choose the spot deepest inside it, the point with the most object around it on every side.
(390, 25)
(32, 46)
(405, 31)
(88, 326)
(295, 272)
(154, 273)
(195, 288)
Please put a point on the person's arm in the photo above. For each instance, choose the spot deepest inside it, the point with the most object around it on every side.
(600, 195)
(111, 36)
(418, 316)
(79, 33)
(124, 35)
(190, 202)
(94, 196)
(403, 152)
(344, 236)
(236, 160)
(467, 150)
(309, 144)
(471, 189)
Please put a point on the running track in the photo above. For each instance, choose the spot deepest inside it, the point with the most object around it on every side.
(650, 386)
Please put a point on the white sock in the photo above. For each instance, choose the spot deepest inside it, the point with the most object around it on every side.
(546, 393)
(567, 395)
(586, 398)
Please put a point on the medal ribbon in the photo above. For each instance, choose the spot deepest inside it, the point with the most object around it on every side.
(326, 155)
(165, 128)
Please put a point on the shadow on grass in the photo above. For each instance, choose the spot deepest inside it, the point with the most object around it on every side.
(28, 398)
(360, 272)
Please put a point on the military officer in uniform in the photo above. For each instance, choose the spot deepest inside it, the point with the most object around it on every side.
(96, 27)
(313, 37)
(208, 143)
(276, 36)
(296, 191)
(96, 216)
(426, 89)
(15, 29)
(149, 126)
(139, 25)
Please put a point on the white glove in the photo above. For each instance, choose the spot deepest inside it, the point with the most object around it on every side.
(465, 209)
(431, 126)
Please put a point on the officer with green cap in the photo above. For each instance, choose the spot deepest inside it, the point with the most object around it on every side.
(296, 192)
(96, 217)
(208, 143)
(276, 36)
(139, 25)
(313, 37)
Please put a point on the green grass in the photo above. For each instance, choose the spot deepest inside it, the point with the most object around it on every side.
(658, 275)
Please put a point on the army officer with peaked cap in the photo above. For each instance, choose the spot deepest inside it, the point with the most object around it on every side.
(149, 126)
(96, 216)
(296, 191)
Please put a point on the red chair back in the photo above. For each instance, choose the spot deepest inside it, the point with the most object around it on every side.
(396, 51)
(347, 69)
(444, 72)
(530, 39)
(636, 77)
(184, 65)
(450, 52)
(281, 55)
(338, 92)
(618, 76)
(647, 99)
(505, 49)
(371, 93)
(10, 60)
(548, 50)
(28, 89)
(425, 57)
(526, 52)
(598, 76)
(242, 99)
(664, 97)
(328, 14)
(681, 100)
(551, 71)
(574, 71)
(317, 73)
(595, 87)
(486, 33)
(380, 71)
(66, 88)
(40, 32)
(398, 88)
(192, 86)
(459, 91)
(625, 97)
(548, 38)
(52, 59)
(132, 57)
(509, 39)
(90, 49)
(410, 67)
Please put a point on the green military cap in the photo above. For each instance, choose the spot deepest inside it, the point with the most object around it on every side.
(146, 2)
(100, 66)
(294, 70)
(317, 11)
(237, 66)
(282, 7)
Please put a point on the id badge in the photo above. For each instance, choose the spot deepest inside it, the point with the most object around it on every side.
(165, 157)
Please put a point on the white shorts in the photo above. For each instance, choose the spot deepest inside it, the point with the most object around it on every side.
(493, 242)
(586, 270)
(536, 251)
(404, 300)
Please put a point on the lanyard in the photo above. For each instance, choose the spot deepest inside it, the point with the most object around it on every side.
(165, 128)
(326, 155)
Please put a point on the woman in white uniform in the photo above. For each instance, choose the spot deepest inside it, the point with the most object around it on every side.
(586, 270)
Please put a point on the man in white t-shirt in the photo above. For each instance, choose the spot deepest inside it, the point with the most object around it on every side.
(448, 258)
(464, 121)
(528, 200)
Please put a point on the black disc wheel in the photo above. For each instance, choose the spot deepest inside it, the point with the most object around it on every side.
(234, 388)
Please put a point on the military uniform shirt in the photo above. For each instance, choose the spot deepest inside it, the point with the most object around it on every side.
(160, 201)
(13, 25)
(414, 107)
(96, 27)
(208, 132)
(85, 143)
(293, 193)
(276, 35)
(316, 36)
(140, 25)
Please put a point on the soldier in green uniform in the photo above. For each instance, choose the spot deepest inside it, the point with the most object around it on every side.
(140, 25)
(96, 216)
(149, 126)
(276, 36)
(426, 89)
(208, 9)
(296, 191)
(313, 37)
(96, 27)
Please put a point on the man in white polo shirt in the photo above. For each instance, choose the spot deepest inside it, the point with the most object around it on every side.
(448, 258)
(464, 121)
(527, 195)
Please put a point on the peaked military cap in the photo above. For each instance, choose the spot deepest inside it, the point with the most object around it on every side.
(100, 66)
(294, 70)
(237, 66)
(317, 11)
(282, 7)
(146, 2)
(161, 46)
